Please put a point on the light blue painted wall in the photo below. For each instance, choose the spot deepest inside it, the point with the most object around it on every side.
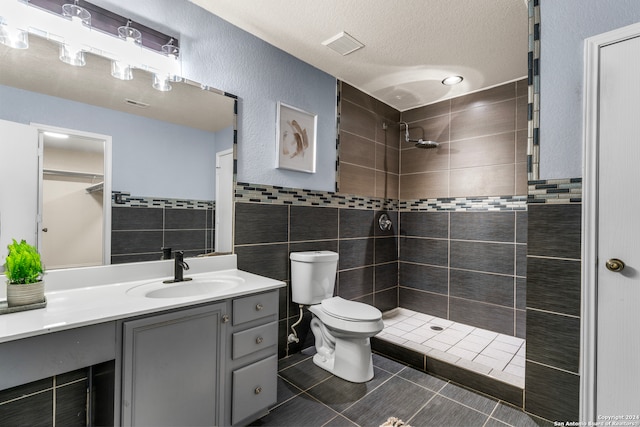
(224, 139)
(564, 26)
(221, 55)
(149, 157)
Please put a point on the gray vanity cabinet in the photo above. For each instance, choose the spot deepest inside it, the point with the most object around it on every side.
(210, 365)
(172, 366)
(252, 363)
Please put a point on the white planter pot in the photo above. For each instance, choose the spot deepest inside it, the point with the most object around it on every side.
(32, 293)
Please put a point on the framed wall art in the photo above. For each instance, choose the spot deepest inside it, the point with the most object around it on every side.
(296, 139)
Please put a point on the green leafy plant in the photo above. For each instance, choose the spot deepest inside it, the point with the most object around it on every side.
(23, 264)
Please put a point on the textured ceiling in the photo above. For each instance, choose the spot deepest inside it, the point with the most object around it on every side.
(410, 45)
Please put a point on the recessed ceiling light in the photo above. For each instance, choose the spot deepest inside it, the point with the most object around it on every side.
(452, 80)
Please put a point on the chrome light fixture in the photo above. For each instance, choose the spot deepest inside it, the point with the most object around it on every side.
(76, 13)
(172, 52)
(13, 37)
(72, 55)
(121, 71)
(161, 83)
(130, 34)
(71, 28)
(70, 51)
(13, 33)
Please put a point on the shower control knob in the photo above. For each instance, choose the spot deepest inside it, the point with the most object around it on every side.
(615, 265)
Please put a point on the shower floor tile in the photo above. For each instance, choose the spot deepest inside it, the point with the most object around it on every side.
(500, 356)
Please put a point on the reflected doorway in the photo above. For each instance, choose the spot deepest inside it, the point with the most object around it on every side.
(74, 224)
(224, 201)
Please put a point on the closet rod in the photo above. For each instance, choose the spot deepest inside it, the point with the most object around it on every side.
(58, 172)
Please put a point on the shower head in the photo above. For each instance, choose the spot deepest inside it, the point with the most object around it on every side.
(419, 143)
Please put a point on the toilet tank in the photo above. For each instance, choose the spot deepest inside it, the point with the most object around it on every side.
(313, 276)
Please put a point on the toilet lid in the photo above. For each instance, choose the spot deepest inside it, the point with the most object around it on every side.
(350, 310)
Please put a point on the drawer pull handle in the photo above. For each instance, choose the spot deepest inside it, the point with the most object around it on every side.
(259, 340)
(258, 390)
(259, 307)
(225, 318)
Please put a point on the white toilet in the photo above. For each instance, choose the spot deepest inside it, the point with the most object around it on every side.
(341, 328)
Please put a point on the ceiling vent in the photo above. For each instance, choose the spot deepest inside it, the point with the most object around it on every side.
(343, 43)
(135, 103)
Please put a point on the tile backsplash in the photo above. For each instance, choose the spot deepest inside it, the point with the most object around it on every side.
(142, 226)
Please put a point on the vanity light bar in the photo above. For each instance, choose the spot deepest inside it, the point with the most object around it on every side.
(37, 18)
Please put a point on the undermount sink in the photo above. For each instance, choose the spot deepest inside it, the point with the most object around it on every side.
(190, 288)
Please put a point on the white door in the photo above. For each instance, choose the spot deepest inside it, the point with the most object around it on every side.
(224, 201)
(18, 184)
(618, 238)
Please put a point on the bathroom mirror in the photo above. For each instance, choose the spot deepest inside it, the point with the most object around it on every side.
(164, 144)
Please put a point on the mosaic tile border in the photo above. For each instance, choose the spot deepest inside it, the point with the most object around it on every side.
(463, 204)
(338, 115)
(533, 80)
(557, 191)
(258, 193)
(123, 199)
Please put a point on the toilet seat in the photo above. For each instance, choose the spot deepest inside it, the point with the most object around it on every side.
(368, 324)
(353, 311)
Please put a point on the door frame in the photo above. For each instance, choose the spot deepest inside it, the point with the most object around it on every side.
(106, 189)
(589, 310)
(219, 155)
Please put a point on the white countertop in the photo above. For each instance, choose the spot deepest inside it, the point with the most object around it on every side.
(81, 297)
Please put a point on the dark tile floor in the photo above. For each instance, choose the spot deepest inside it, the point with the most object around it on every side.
(311, 396)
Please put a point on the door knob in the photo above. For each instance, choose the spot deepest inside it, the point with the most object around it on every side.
(615, 265)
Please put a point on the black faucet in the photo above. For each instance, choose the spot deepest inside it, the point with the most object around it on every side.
(179, 266)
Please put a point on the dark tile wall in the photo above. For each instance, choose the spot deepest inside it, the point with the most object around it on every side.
(140, 233)
(368, 264)
(466, 267)
(368, 149)
(482, 151)
(553, 311)
(62, 400)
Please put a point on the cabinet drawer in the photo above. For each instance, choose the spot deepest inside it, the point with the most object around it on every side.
(254, 339)
(254, 388)
(254, 307)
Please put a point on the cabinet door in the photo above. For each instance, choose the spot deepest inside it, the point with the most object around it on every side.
(171, 368)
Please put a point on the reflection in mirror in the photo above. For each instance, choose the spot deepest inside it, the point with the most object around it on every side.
(75, 209)
(164, 145)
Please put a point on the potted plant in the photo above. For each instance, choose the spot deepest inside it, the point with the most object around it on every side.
(24, 272)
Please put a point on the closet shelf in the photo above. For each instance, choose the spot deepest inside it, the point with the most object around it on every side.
(95, 187)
